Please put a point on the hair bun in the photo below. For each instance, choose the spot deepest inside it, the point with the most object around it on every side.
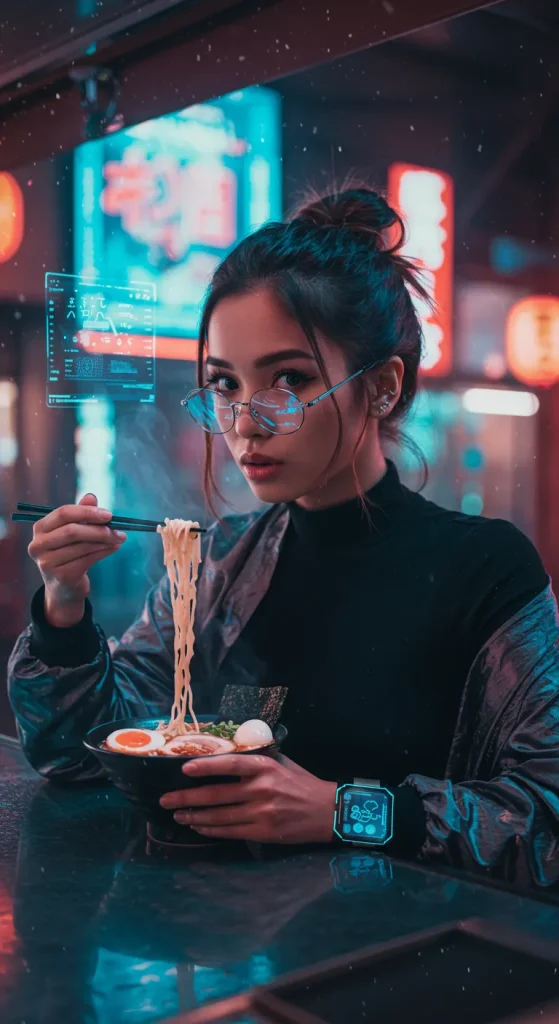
(359, 209)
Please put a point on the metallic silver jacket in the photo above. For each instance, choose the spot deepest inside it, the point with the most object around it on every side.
(497, 809)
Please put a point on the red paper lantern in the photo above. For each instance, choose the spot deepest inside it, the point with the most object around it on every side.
(11, 216)
(532, 340)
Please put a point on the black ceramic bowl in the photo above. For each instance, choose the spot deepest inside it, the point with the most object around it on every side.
(144, 780)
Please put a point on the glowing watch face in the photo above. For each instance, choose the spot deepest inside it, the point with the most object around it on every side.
(364, 815)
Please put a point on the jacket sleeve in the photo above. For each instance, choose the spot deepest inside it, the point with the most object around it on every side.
(499, 808)
(56, 707)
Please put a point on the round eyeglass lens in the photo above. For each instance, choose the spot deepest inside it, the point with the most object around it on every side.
(277, 410)
(211, 411)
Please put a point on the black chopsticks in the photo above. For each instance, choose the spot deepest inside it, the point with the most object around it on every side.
(27, 513)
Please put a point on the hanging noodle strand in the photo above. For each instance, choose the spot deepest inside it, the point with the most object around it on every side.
(182, 556)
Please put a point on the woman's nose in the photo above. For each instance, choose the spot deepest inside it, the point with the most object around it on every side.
(245, 424)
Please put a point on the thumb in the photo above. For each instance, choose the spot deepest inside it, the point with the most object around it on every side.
(88, 499)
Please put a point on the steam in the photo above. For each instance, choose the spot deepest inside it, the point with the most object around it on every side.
(150, 485)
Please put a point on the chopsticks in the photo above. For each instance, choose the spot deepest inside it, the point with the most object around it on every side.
(27, 513)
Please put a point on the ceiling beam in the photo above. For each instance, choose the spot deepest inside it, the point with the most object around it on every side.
(255, 42)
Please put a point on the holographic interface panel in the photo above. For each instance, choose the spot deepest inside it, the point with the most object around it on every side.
(100, 341)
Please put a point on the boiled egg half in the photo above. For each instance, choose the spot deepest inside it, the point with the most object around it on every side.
(253, 733)
(135, 741)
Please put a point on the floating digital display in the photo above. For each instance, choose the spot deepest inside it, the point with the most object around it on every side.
(100, 341)
(162, 203)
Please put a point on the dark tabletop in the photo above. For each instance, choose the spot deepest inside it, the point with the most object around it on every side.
(96, 928)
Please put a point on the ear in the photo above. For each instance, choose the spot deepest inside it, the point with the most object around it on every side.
(386, 387)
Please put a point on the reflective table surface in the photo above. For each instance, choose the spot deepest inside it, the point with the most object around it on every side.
(96, 927)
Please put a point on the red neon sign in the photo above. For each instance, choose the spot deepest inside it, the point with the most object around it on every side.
(424, 198)
(172, 205)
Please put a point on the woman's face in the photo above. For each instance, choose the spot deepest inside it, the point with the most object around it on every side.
(254, 344)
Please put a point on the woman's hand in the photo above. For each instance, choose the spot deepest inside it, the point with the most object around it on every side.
(274, 801)
(66, 543)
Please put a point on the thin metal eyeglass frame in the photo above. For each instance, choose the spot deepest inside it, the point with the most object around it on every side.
(304, 405)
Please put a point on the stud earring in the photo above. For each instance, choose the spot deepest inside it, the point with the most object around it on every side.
(384, 405)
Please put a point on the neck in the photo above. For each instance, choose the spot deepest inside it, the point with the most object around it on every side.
(348, 525)
(370, 467)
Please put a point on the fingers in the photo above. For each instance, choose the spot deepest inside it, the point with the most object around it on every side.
(230, 806)
(245, 765)
(245, 832)
(205, 796)
(69, 540)
(73, 571)
(72, 514)
(69, 535)
(211, 817)
(77, 552)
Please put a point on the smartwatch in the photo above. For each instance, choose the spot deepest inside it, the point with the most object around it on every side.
(364, 813)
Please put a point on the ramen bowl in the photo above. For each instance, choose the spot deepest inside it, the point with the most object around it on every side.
(144, 779)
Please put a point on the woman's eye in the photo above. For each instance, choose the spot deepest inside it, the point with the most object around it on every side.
(291, 379)
(220, 382)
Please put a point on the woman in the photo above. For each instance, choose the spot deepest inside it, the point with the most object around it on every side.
(395, 639)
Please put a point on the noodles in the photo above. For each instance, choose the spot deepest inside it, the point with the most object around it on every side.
(182, 557)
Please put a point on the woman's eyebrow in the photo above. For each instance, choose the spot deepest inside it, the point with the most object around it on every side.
(268, 360)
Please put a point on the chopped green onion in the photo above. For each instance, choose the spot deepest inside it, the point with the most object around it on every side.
(224, 730)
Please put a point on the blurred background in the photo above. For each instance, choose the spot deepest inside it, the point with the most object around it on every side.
(111, 243)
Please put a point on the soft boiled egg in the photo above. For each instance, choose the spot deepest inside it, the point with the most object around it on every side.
(253, 733)
(135, 741)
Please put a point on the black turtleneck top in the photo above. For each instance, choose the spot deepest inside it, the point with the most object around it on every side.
(372, 621)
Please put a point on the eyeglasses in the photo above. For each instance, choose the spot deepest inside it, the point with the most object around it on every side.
(275, 409)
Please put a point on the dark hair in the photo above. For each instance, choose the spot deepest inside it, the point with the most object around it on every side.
(336, 268)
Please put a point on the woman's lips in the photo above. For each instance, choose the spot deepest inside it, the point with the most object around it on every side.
(261, 472)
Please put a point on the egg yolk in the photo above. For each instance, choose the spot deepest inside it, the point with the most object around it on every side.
(134, 738)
